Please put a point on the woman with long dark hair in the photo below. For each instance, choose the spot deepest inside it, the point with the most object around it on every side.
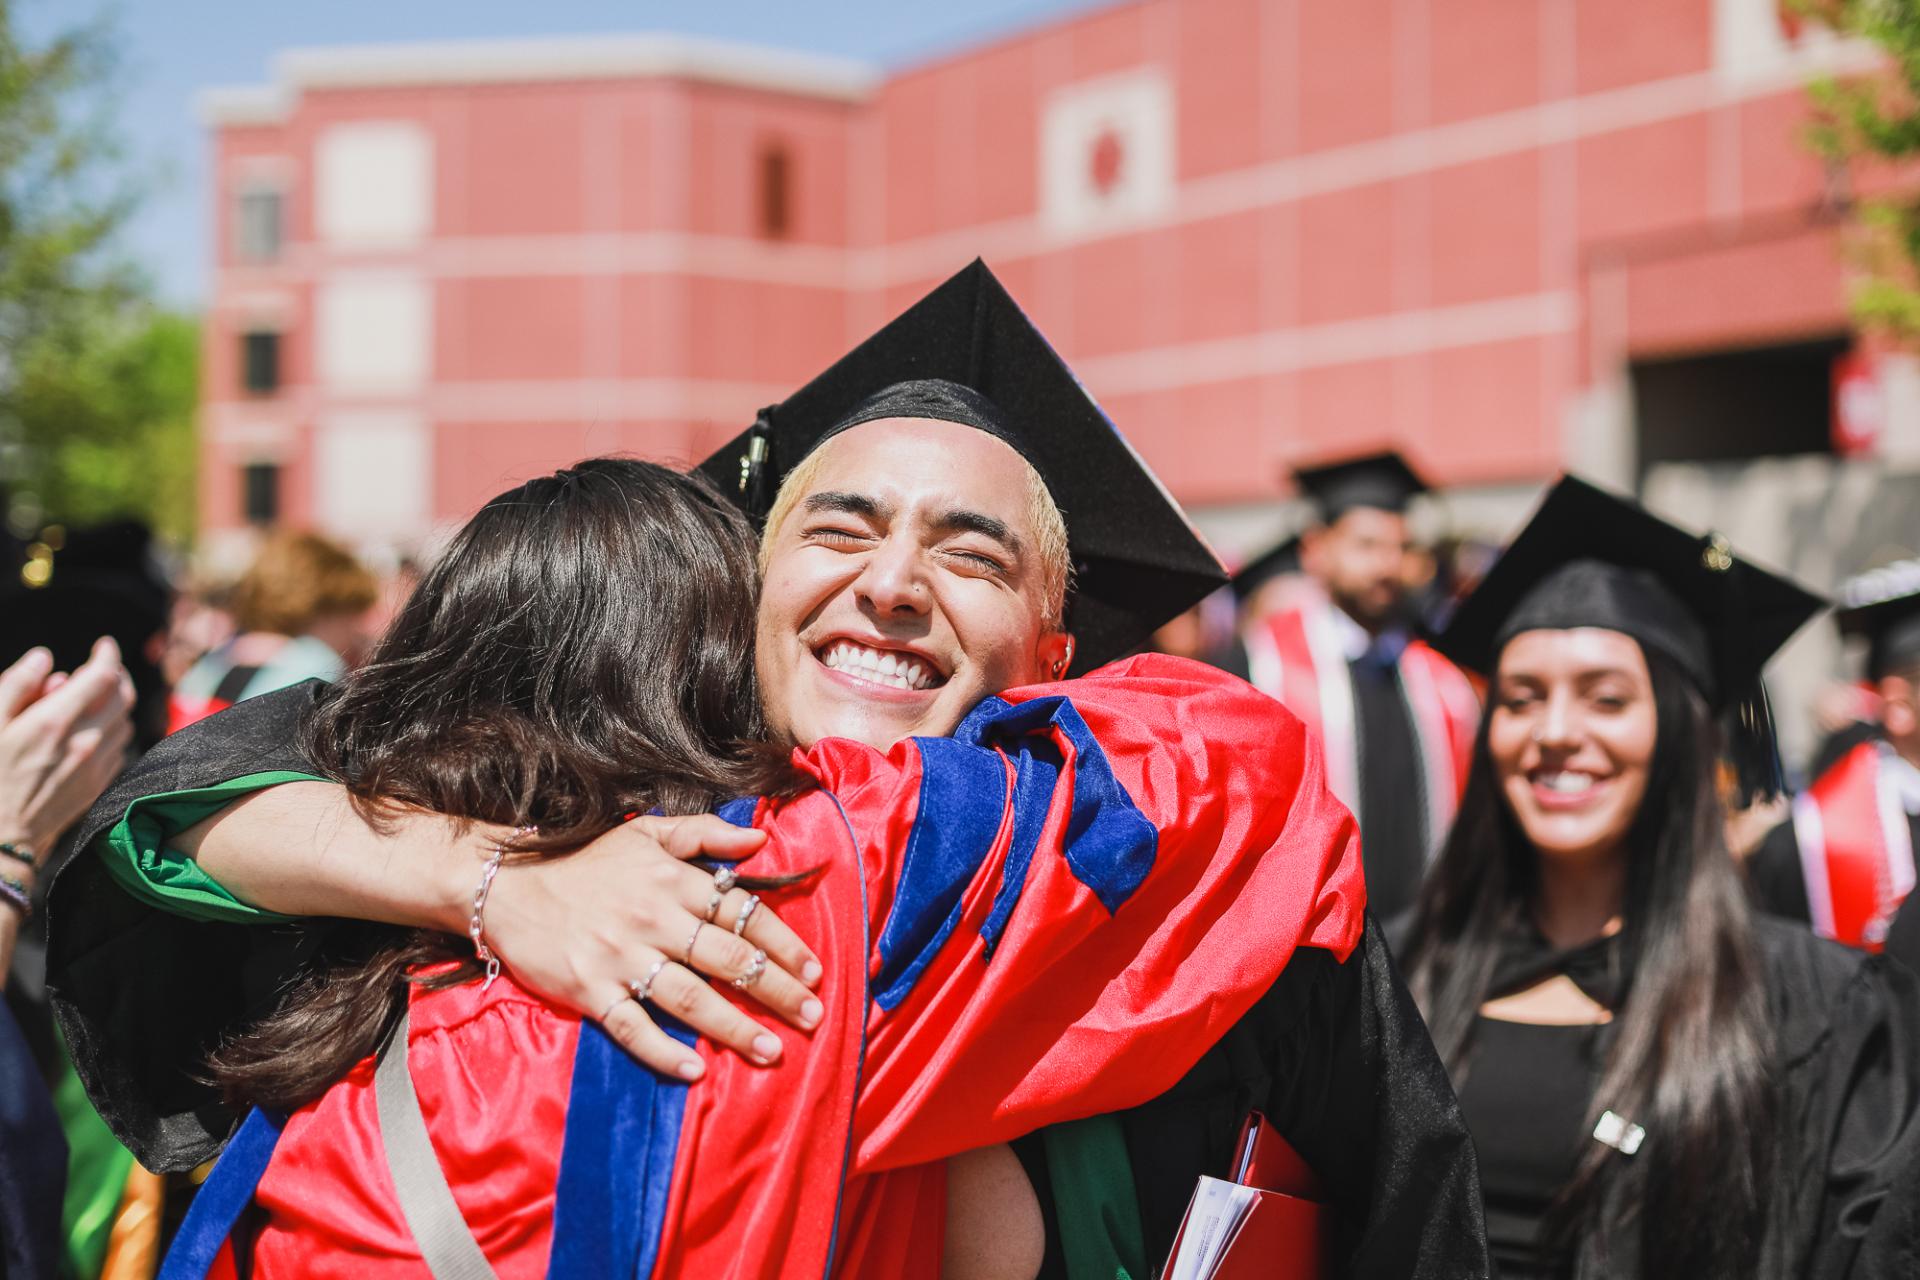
(1658, 1082)
(583, 651)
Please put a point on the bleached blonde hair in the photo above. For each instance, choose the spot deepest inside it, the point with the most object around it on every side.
(1044, 517)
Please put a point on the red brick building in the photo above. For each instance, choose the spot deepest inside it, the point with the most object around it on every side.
(1506, 236)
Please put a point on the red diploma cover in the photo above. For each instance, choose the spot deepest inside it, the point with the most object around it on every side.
(1267, 1221)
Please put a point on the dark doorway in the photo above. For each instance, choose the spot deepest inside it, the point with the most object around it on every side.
(1735, 405)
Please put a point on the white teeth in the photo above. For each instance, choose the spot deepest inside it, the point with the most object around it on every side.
(1567, 782)
(899, 670)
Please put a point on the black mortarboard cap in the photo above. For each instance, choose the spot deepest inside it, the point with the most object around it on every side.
(1383, 481)
(967, 354)
(67, 591)
(1591, 559)
(1276, 561)
(1883, 605)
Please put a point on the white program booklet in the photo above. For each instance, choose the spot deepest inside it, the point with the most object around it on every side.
(1214, 1216)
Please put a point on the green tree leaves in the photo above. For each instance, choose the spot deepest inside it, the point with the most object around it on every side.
(1869, 126)
(97, 386)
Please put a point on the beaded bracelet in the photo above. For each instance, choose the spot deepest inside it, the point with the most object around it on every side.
(20, 851)
(16, 894)
(476, 921)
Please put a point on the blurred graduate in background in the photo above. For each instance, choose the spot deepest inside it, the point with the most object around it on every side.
(1328, 630)
(1843, 862)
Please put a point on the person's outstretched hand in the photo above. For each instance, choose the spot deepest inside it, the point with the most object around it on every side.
(63, 738)
(585, 930)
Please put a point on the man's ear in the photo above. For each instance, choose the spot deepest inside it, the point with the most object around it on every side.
(1899, 707)
(1056, 655)
(1313, 539)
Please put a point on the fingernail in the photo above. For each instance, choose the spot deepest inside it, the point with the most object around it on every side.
(690, 1069)
(766, 1047)
(811, 1011)
(811, 972)
(39, 655)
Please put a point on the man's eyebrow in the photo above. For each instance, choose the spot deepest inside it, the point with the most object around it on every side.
(960, 520)
(857, 504)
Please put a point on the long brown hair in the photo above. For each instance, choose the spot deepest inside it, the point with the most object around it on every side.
(583, 650)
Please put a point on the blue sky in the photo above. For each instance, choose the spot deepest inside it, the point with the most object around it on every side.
(173, 48)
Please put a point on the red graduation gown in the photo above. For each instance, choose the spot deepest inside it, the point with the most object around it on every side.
(1856, 848)
(1050, 915)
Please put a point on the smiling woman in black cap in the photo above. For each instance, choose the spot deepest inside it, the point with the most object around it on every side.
(1659, 1083)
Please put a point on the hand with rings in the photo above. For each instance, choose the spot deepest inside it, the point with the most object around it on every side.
(624, 921)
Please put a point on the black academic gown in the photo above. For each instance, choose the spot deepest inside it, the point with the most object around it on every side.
(1393, 783)
(1903, 935)
(1846, 1067)
(1374, 1117)
(1774, 879)
(1847, 1064)
(1335, 1051)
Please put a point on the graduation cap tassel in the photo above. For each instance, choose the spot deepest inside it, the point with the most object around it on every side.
(754, 468)
(1751, 746)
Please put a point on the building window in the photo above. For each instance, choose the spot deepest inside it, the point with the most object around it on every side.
(373, 473)
(776, 191)
(373, 184)
(257, 225)
(373, 333)
(260, 362)
(260, 492)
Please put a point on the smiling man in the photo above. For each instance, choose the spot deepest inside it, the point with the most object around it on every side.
(856, 639)
(916, 563)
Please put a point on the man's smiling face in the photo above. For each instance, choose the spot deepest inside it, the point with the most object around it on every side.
(903, 586)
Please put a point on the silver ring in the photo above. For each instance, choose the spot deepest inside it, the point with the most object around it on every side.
(713, 903)
(755, 967)
(740, 922)
(691, 939)
(641, 989)
(610, 1008)
(725, 878)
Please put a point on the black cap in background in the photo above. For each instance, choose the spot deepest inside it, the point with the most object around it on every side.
(1381, 481)
(1591, 559)
(1883, 605)
(70, 588)
(968, 355)
(1276, 561)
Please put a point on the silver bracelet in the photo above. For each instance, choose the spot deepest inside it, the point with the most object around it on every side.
(15, 893)
(476, 921)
